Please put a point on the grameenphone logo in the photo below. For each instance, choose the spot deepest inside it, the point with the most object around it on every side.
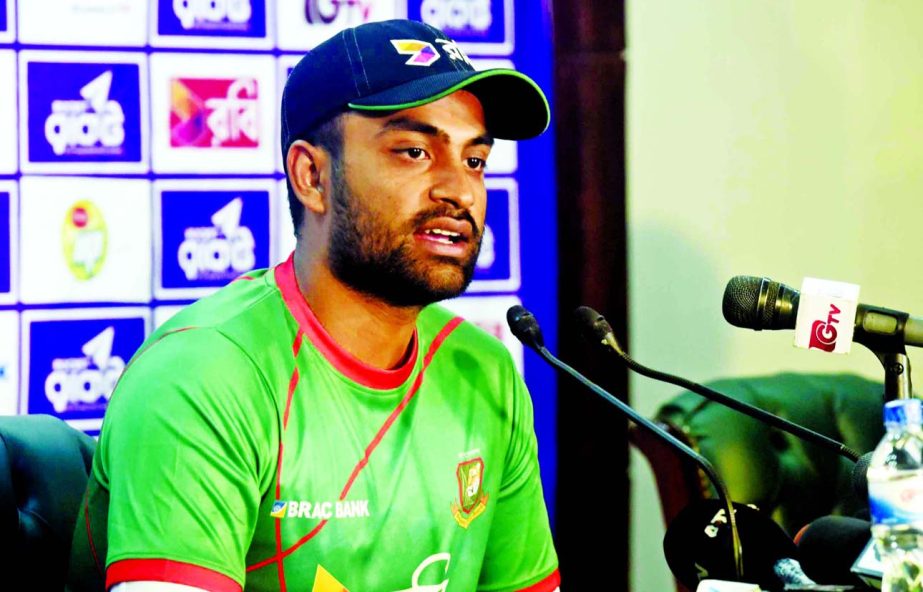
(90, 115)
(74, 363)
(214, 18)
(210, 236)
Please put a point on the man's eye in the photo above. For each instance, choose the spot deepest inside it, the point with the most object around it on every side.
(415, 153)
(476, 163)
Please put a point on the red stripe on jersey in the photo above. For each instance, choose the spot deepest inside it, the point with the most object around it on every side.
(549, 584)
(165, 570)
(434, 346)
(288, 401)
(341, 359)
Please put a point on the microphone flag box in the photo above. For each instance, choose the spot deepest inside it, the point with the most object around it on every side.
(868, 566)
(726, 586)
(826, 315)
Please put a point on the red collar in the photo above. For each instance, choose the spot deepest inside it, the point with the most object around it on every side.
(351, 366)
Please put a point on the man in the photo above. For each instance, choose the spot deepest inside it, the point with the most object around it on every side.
(317, 426)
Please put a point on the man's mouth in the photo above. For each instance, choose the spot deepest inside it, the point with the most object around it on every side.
(444, 236)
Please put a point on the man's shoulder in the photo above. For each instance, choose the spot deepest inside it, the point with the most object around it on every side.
(436, 319)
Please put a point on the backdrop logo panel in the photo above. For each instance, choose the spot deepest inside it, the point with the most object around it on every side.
(214, 114)
(72, 359)
(83, 22)
(9, 362)
(6, 9)
(207, 113)
(304, 24)
(85, 240)
(216, 17)
(8, 241)
(209, 236)
(478, 26)
(8, 147)
(82, 116)
(498, 266)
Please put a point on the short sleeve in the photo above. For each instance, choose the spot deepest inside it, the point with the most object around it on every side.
(520, 553)
(185, 452)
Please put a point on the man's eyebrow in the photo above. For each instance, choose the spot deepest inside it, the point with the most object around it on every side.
(409, 124)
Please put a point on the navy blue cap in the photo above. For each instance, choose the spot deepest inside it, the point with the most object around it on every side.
(400, 64)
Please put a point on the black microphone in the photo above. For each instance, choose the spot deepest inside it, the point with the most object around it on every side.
(597, 329)
(525, 327)
(697, 542)
(829, 546)
(860, 476)
(759, 303)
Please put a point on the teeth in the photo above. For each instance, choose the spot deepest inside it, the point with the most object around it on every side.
(448, 233)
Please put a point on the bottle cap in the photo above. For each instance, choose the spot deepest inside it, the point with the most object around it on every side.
(904, 412)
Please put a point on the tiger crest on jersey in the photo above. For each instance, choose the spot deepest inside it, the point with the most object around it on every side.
(472, 499)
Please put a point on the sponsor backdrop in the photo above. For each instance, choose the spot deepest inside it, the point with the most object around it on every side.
(144, 172)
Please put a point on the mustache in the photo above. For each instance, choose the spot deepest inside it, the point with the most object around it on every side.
(447, 211)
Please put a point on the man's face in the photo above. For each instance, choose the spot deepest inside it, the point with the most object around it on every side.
(409, 201)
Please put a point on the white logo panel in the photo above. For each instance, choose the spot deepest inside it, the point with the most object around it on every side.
(303, 24)
(213, 113)
(9, 362)
(83, 22)
(284, 242)
(85, 240)
(8, 147)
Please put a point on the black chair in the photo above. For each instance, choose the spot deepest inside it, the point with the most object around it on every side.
(44, 466)
(788, 479)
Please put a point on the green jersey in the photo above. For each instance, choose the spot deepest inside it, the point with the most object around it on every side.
(243, 449)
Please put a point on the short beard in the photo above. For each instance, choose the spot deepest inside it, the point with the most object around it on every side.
(368, 258)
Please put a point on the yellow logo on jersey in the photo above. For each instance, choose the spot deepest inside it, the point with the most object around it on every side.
(472, 499)
(324, 582)
(85, 239)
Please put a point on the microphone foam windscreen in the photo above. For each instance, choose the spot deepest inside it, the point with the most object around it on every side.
(830, 545)
(741, 298)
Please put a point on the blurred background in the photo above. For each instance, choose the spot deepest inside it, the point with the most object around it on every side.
(690, 142)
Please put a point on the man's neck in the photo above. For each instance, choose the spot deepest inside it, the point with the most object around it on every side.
(373, 331)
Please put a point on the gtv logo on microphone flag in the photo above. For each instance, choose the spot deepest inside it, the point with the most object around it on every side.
(220, 18)
(209, 237)
(826, 315)
(82, 113)
(72, 364)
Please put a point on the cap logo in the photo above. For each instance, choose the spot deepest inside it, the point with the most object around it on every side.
(421, 53)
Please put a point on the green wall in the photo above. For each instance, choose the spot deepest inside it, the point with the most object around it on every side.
(776, 138)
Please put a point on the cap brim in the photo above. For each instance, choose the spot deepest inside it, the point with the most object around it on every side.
(515, 108)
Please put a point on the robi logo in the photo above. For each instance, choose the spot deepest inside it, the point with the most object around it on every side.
(83, 381)
(823, 333)
(206, 13)
(94, 125)
(325, 12)
(457, 15)
(224, 250)
(208, 113)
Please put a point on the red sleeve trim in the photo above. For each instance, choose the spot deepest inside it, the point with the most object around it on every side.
(174, 572)
(549, 584)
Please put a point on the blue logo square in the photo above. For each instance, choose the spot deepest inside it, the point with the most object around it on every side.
(6, 263)
(494, 261)
(84, 112)
(465, 21)
(74, 363)
(4, 25)
(240, 18)
(209, 237)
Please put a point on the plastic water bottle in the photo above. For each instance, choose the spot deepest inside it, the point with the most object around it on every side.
(895, 479)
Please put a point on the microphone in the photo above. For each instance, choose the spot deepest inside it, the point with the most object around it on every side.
(759, 303)
(597, 329)
(697, 541)
(525, 327)
(860, 476)
(829, 547)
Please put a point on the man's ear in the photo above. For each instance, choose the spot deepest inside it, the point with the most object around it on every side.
(307, 166)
